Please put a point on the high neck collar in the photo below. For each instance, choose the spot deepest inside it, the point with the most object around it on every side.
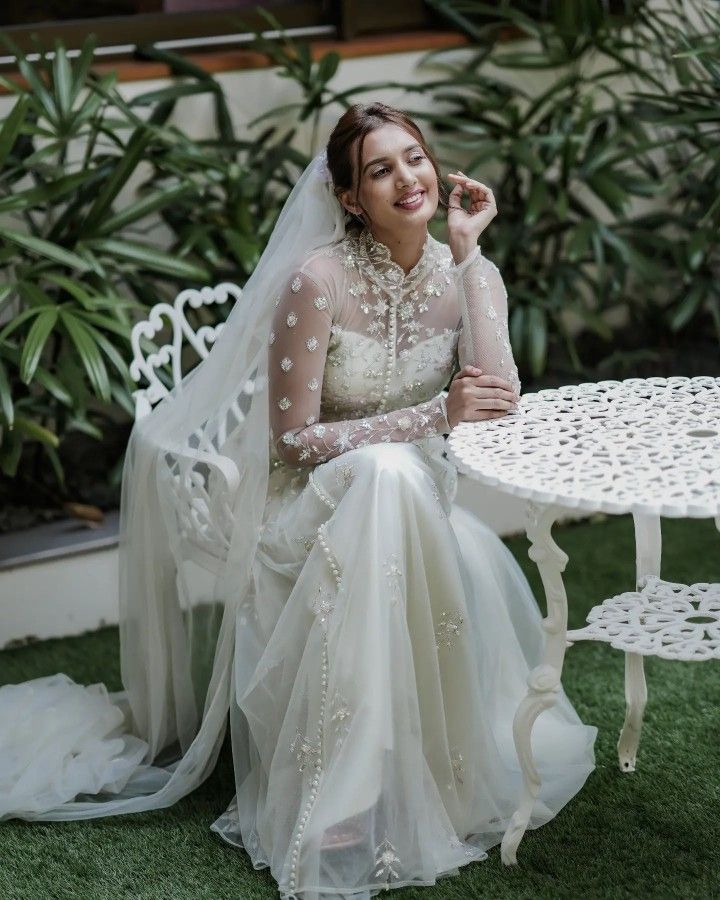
(380, 257)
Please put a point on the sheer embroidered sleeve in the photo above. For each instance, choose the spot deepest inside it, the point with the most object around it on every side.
(298, 349)
(484, 339)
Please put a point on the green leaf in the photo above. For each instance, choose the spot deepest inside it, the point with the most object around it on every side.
(144, 207)
(82, 424)
(124, 167)
(44, 248)
(10, 453)
(63, 79)
(537, 340)
(38, 88)
(35, 343)
(328, 66)
(90, 355)
(174, 92)
(42, 377)
(119, 328)
(111, 353)
(537, 201)
(517, 330)
(74, 288)
(50, 192)
(688, 306)
(54, 458)
(609, 191)
(696, 249)
(579, 240)
(561, 205)
(82, 66)
(155, 260)
(614, 240)
(524, 154)
(6, 290)
(35, 431)
(524, 61)
(123, 398)
(11, 128)
(6, 402)
(19, 320)
(245, 251)
(34, 297)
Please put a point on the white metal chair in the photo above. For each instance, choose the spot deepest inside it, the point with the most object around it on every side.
(203, 481)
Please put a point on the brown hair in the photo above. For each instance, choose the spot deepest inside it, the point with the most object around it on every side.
(354, 125)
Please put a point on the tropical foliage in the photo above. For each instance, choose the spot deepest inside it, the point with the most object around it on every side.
(106, 208)
(598, 132)
(598, 139)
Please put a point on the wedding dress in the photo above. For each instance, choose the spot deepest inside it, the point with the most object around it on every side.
(397, 629)
(381, 642)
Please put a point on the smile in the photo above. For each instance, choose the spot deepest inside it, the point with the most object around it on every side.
(412, 201)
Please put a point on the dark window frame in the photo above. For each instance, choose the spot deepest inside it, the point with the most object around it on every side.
(202, 32)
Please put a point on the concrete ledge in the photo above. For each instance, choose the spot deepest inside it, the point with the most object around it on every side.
(56, 540)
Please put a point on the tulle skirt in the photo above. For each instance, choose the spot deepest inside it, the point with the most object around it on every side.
(377, 670)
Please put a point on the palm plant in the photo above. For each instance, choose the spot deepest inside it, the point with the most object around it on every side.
(79, 258)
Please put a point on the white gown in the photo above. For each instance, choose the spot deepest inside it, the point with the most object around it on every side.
(384, 649)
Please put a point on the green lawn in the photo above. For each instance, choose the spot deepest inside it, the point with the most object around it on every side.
(652, 834)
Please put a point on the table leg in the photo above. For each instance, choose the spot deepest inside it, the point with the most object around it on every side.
(544, 680)
(648, 552)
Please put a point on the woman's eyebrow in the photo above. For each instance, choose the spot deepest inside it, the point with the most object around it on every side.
(383, 158)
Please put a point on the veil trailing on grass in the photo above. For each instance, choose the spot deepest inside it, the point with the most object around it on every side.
(79, 752)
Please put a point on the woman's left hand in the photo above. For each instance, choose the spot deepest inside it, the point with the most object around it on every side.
(466, 225)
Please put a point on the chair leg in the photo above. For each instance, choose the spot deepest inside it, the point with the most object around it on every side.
(648, 553)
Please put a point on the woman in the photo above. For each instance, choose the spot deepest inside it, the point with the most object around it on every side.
(374, 638)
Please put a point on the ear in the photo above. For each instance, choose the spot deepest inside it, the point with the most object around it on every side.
(347, 199)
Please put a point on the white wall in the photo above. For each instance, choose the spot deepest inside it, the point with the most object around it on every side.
(59, 597)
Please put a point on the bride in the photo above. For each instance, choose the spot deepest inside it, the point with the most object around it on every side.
(369, 638)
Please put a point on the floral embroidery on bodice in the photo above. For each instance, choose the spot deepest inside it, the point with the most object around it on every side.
(360, 350)
(353, 380)
(389, 349)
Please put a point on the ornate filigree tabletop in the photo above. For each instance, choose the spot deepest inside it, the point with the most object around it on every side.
(650, 447)
(641, 445)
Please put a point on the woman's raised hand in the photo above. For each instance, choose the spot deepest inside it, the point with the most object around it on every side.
(474, 397)
(466, 225)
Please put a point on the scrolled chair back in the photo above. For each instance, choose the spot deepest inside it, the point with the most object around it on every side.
(203, 481)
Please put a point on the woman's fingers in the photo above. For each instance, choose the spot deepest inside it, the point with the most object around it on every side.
(486, 393)
(494, 403)
(494, 381)
(489, 398)
(455, 197)
(468, 372)
(487, 381)
(481, 196)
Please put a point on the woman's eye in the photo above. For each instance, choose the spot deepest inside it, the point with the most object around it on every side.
(379, 171)
(417, 159)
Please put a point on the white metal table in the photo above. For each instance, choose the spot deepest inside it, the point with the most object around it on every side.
(650, 447)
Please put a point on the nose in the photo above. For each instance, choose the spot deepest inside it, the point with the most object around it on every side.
(405, 175)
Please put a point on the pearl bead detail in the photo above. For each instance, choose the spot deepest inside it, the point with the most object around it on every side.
(390, 357)
(324, 666)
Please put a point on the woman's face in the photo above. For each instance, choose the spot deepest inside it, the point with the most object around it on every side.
(398, 184)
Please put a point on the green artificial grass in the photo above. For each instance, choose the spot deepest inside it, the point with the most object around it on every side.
(654, 834)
